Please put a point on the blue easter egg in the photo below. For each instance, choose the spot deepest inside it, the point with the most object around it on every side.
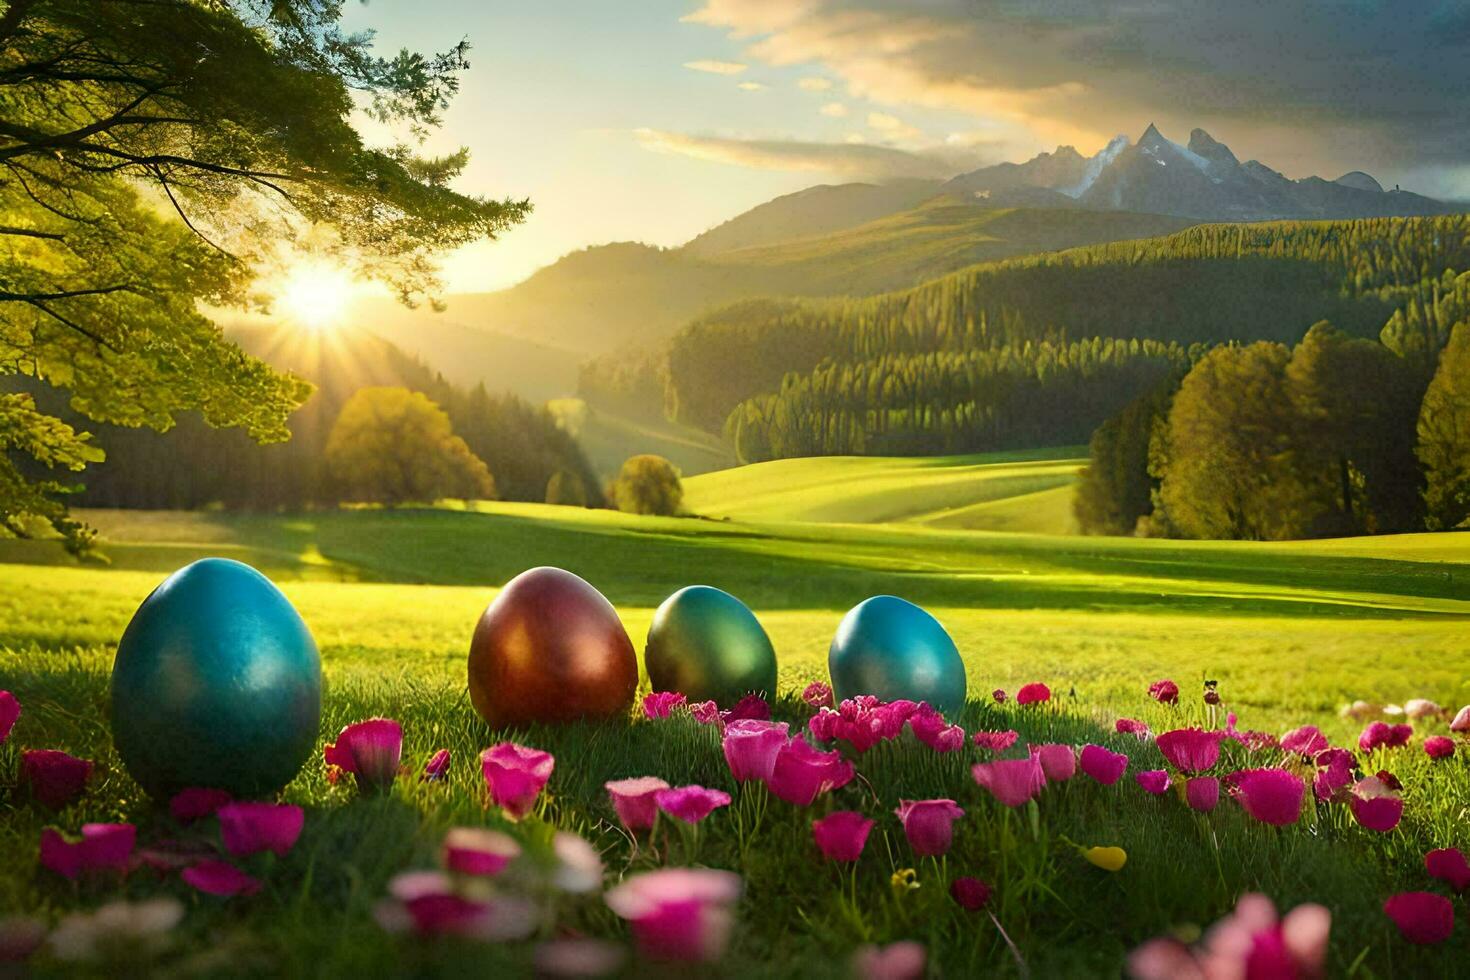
(889, 647)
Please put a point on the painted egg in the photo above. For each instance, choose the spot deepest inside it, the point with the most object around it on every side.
(550, 648)
(889, 647)
(217, 683)
(705, 644)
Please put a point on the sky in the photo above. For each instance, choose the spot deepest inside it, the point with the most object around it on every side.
(653, 120)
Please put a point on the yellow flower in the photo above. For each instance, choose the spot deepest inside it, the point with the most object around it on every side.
(1107, 858)
(904, 880)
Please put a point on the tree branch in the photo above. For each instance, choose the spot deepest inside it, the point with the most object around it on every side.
(70, 324)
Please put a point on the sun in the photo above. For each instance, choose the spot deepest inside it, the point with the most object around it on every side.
(316, 295)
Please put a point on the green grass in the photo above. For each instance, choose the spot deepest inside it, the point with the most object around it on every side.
(609, 439)
(1290, 631)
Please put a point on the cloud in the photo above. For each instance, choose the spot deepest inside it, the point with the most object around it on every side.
(848, 161)
(750, 87)
(835, 110)
(892, 127)
(717, 67)
(814, 84)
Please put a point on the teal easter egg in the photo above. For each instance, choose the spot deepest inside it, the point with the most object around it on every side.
(217, 683)
(889, 647)
(705, 644)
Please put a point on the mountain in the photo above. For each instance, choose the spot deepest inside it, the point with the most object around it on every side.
(814, 211)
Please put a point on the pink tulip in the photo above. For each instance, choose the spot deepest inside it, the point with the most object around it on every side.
(995, 741)
(752, 707)
(1011, 781)
(437, 768)
(1461, 724)
(1422, 917)
(1155, 781)
(1058, 762)
(1448, 864)
(661, 704)
(896, 961)
(1130, 726)
(249, 828)
(681, 914)
(1334, 773)
(1164, 692)
(930, 728)
(1272, 796)
(1374, 736)
(751, 746)
(999, 696)
(1439, 747)
(842, 835)
(102, 847)
(633, 800)
(1250, 944)
(1307, 740)
(929, 824)
(197, 803)
(370, 750)
(9, 712)
(1376, 805)
(427, 904)
(691, 804)
(515, 776)
(1033, 694)
(478, 852)
(1190, 750)
(55, 778)
(1103, 765)
(818, 695)
(1202, 793)
(219, 878)
(705, 712)
(969, 893)
(802, 773)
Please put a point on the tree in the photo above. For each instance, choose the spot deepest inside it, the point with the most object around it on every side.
(567, 489)
(232, 117)
(395, 446)
(1444, 435)
(1115, 490)
(648, 484)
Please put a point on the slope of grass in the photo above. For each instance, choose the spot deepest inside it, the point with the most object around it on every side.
(609, 439)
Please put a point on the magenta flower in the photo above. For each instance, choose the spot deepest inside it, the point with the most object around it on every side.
(802, 773)
(219, 878)
(1155, 781)
(995, 741)
(679, 914)
(1202, 793)
(1272, 796)
(196, 803)
(751, 746)
(1448, 864)
(249, 828)
(1307, 740)
(437, 768)
(1334, 774)
(55, 777)
(752, 707)
(969, 893)
(929, 824)
(1399, 735)
(1375, 735)
(478, 852)
(1011, 781)
(842, 835)
(818, 695)
(1249, 944)
(999, 696)
(1439, 747)
(370, 750)
(1461, 723)
(1190, 750)
(1103, 765)
(102, 847)
(1422, 917)
(930, 728)
(1130, 726)
(1058, 762)
(1164, 692)
(9, 712)
(661, 704)
(427, 904)
(633, 800)
(896, 961)
(705, 712)
(690, 804)
(1376, 805)
(515, 776)
(1035, 693)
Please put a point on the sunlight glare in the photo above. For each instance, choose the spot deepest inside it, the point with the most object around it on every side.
(315, 295)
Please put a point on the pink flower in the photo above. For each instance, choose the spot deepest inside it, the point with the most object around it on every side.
(1375, 735)
(1439, 747)
(1130, 726)
(1448, 864)
(1103, 765)
(437, 768)
(752, 707)
(426, 903)
(678, 913)
(55, 778)
(802, 773)
(1423, 917)
(103, 847)
(1272, 796)
(1202, 793)
(515, 776)
(999, 696)
(842, 835)
(896, 961)
(1461, 723)
(818, 695)
(690, 804)
(9, 712)
(1307, 740)
(1190, 750)
(1250, 944)
(1011, 781)
(633, 800)
(1334, 773)
(995, 741)
(1033, 694)
(705, 712)
(1164, 692)
(478, 852)
(1155, 781)
(370, 750)
(930, 728)
(1399, 735)
(661, 704)
(969, 893)
(197, 803)
(1058, 762)
(1376, 805)
(751, 746)
(219, 878)
(249, 828)
(929, 824)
